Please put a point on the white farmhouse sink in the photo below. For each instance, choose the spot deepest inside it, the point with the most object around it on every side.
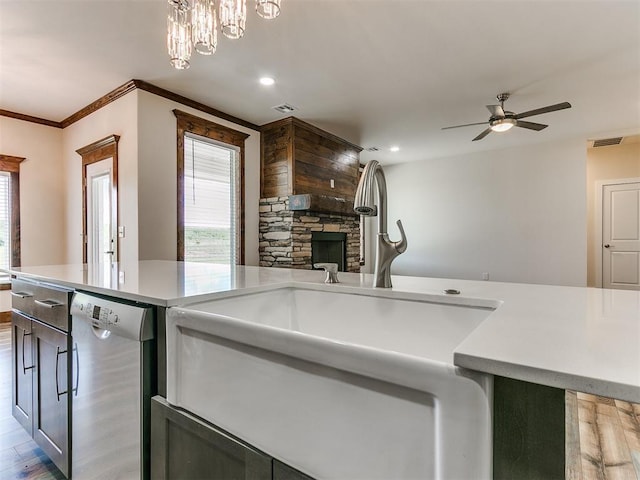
(338, 382)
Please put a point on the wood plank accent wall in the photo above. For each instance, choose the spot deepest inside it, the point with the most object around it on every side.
(299, 158)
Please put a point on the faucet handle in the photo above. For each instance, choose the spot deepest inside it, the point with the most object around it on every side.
(331, 269)
(401, 246)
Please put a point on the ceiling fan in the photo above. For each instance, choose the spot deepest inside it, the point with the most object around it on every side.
(502, 120)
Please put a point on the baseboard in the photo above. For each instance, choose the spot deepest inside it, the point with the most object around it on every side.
(5, 317)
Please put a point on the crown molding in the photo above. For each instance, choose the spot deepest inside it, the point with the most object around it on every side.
(122, 90)
(96, 105)
(161, 92)
(30, 118)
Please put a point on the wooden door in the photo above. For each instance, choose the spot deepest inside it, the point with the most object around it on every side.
(621, 236)
(22, 369)
(51, 405)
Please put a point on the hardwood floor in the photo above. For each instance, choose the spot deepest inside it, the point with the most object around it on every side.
(603, 435)
(20, 457)
(609, 433)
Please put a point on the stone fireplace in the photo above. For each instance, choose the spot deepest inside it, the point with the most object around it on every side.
(308, 182)
(286, 236)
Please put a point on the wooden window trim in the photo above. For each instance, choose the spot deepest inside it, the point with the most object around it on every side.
(11, 164)
(92, 153)
(187, 123)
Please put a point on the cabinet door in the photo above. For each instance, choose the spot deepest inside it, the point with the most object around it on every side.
(22, 371)
(285, 472)
(51, 406)
(184, 447)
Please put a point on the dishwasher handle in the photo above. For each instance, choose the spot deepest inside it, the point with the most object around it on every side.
(75, 350)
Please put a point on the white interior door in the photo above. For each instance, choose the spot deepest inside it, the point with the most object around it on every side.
(101, 214)
(621, 236)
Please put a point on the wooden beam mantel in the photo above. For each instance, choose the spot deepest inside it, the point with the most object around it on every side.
(321, 204)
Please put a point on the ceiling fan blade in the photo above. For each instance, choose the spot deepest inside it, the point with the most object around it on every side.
(482, 135)
(531, 125)
(539, 111)
(465, 125)
(496, 110)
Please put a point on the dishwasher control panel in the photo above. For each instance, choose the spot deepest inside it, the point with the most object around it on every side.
(125, 320)
(101, 316)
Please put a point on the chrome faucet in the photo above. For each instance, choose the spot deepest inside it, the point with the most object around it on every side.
(331, 269)
(364, 204)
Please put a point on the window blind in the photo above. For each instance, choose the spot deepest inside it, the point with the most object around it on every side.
(209, 201)
(5, 219)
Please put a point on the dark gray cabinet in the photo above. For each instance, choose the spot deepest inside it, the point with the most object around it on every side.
(282, 471)
(184, 447)
(41, 380)
(51, 387)
(22, 366)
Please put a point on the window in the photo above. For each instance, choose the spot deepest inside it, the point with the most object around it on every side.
(210, 191)
(5, 219)
(9, 211)
(209, 201)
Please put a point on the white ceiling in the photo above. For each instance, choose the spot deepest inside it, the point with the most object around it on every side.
(376, 72)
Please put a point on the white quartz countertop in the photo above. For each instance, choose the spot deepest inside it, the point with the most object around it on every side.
(583, 339)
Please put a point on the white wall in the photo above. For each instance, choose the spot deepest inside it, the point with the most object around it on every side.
(518, 214)
(42, 209)
(157, 186)
(119, 118)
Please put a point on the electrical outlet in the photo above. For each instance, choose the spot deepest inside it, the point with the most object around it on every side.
(485, 275)
(333, 183)
(121, 231)
(121, 276)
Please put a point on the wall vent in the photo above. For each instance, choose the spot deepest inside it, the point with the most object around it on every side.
(605, 142)
(284, 108)
(372, 149)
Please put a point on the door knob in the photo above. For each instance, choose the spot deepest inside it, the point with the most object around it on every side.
(606, 245)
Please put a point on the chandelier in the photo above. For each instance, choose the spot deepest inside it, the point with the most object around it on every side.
(193, 24)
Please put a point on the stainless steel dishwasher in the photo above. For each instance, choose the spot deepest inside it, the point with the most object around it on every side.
(111, 373)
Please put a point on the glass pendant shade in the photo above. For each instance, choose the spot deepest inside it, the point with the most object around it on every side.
(204, 26)
(268, 9)
(233, 16)
(179, 34)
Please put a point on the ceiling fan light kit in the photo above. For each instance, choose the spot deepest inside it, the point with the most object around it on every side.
(502, 124)
(194, 24)
(502, 120)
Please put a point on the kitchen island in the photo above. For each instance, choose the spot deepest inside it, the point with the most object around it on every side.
(539, 340)
(584, 339)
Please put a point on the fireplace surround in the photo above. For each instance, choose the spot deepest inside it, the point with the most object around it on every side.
(286, 236)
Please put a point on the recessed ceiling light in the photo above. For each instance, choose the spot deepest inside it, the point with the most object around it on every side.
(394, 148)
(267, 81)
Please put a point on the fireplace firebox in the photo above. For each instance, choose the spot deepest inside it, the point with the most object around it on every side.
(329, 247)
